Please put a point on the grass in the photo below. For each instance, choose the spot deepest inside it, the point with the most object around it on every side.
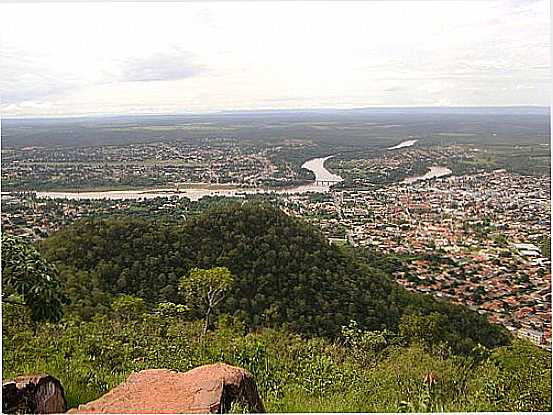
(293, 374)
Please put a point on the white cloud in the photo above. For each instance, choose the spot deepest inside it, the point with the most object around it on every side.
(26, 76)
(123, 57)
(161, 66)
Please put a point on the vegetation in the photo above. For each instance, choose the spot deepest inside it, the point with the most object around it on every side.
(28, 280)
(206, 288)
(531, 159)
(286, 273)
(322, 328)
(359, 371)
(545, 245)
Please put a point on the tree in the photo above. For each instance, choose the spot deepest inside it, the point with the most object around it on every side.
(128, 306)
(425, 329)
(27, 279)
(205, 289)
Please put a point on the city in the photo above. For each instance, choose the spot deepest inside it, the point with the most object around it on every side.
(276, 207)
(481, 240)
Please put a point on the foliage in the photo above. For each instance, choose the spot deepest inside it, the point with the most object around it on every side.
(426, 329)
(27, 276)
(294, 374)
(206, 288)
(99, 259)
(169, 309)
(545, 246)
(286, 273)
(128, 306)
(367, 346)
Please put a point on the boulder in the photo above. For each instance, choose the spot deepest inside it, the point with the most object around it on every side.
(205, 389)
(33, 394)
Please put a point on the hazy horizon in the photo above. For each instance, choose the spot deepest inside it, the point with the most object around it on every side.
(497, 109)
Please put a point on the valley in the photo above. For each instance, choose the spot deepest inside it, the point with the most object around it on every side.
(367, 252)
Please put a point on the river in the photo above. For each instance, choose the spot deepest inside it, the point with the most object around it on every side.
(432, 173)
(321, 173)
(403, 144)
(316, 165)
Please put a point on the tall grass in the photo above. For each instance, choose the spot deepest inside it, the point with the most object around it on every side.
(293, 374)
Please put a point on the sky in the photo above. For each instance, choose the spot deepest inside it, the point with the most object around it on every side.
(124, 58)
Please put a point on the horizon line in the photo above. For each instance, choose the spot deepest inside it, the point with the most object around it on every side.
(266, 110)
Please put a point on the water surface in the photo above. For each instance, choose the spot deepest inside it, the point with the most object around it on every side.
(316, 165)
(433, 172)
(403, 144)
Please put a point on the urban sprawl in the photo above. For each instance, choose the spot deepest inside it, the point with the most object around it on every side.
(481, 239)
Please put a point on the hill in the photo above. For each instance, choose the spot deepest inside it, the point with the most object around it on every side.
(396, 351)
(286, 274)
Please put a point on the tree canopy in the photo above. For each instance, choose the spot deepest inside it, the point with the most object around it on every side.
(30, 280)
(286, 273)
(205, 289)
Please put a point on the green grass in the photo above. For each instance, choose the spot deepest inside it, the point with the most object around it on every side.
(293, 374)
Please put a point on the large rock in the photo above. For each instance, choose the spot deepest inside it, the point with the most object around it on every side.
(33, 394)
(205, 389)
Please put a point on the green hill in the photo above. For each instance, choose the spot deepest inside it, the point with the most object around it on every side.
(286, 274)
(320, 329)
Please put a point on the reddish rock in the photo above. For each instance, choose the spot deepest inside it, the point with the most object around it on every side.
(37, 394)
(205, 389)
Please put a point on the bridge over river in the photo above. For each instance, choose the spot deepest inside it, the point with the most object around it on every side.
(322, 176)
(326, 182)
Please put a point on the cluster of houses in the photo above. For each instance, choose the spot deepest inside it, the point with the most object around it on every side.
(478, 240)
(33, 218)
(139, 165)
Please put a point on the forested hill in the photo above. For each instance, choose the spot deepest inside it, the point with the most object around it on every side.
(286, 273)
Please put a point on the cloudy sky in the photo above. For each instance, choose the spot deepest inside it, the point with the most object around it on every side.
(67, 59)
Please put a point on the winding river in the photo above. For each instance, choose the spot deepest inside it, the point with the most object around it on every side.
(321, 173)
(321, 184)
(316, 165)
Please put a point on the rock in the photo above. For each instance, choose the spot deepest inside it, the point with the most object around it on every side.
(205, 389)
(38, 394)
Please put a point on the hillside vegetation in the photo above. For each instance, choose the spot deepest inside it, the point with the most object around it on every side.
(360, 371)
(286, 274)
(321, 328)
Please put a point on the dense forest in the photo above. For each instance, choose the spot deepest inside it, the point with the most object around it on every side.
(322, 328)
(286, 273)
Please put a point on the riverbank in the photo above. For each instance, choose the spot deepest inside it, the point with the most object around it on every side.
(432, 173)
(196, 191)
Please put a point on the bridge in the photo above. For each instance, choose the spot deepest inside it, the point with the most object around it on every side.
(326, 182)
